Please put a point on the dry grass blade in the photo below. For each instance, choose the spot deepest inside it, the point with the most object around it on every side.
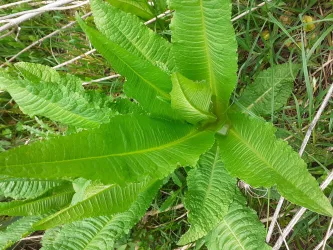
(186, 247)
(48, 2)
(102, 79)
(5, 6)
(43, 39)
(250, 10)
(265, 220)
(38, 237)
(75, 59)
(8, 17)
(7, 34)
(166, 13)
(15, 22)
(327, 234)
(323, 66)
(284, 241)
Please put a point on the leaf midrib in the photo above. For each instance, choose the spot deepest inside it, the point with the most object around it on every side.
(54, 216)
(108, 48)
(202, 206)
(257, 153)
(107, 187)
(158, 90)
(232, 232)
(209, 186)
(98, 232)
(21, 206)
(54, 106)
(212, 80)
(281, 79)
(142, 151)
(131, 42)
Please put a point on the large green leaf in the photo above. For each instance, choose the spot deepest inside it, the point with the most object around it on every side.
(270, 90)
(139, 8)
(146, 83)
(26, 188)
(99, 200)
(17, 230)
(54, 199)
(251, 152)
(210, 192)
(240, 229)
(204, 44)
(124, 150)
(99, 232)
(191, 99)
(131, 34)
(61, 98)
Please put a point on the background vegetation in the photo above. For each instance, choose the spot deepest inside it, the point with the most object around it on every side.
(277, 32)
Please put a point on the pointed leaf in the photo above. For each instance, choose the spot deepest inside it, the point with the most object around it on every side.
(251, 152)
(99, 200)
(148, 84)
(58, 198)
(99, 232)
(124, 150)
(131, 34)
(61, 98)
(139, 8)
(272, 85)
(80, 186)
(204, 44)
(210, 192)
(191, 99)
(240, 229)
(26, 188)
